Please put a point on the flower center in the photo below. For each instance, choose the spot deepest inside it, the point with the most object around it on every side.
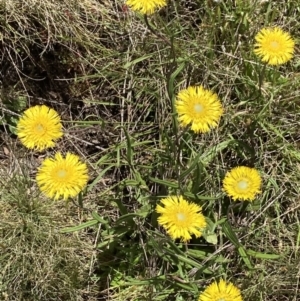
(198, 108)
(274, 44)
(40, 128)
(61, 173)
(242, 184)
(180, 216)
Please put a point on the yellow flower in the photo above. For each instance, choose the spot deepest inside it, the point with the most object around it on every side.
(180, 218)
(62, 177)
(39, 127)
(146, 6)
(199, 107)
(242, 183)
(274, 46)
(221, 291)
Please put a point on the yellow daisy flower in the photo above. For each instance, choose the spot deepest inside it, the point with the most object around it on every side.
(242, 183)
(221, 291)
(146, 6)
(274, 46)
(180, 218)
(199, 108)
(39, 127)
(62, 177)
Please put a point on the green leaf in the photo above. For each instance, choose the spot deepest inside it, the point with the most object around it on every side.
(173, 76)
(98, 218)
(188, 287)
(128, 217)
(262, 255)
(121, 207)
(80, 227)
(230, 234)
(91, 186)
(245, 257)
(190, 168)
(140, 180)
(205, 256)
(211, 238)
(12, 129)
(148, 281)
(164, 182)
(132, 183)
(209, 232)
(227, 229)
(198, 254)
(144, 210)
(129, 148)
(212, 152)
(199, 197)
(140, 59)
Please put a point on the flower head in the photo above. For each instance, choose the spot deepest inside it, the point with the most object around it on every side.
(62, 177)
(39, 127)
(146, 6)
(199, 107)
(221, 291)
(242, 183)
(274, 46)
(180, 218)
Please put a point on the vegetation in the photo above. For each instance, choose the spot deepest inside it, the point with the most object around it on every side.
(113, 75)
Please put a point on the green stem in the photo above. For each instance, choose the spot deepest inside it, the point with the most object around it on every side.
(171, 74)
(261, 77)
(80, 200)
(155, 32)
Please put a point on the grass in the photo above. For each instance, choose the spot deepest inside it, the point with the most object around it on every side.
(113, 79)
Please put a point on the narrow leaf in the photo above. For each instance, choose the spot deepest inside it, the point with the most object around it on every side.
(98, 218)
(234, 240)
(80, 227)
(140, 59)
(128, 217)
(262, 255)
(190, 168)
(173, 76)
(230, 234)
(245, 257)
(211, 153)
(164, 182)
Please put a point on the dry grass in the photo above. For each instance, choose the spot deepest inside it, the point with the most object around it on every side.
(38, 262)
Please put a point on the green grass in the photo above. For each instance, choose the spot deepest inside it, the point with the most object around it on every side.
(114, 81)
